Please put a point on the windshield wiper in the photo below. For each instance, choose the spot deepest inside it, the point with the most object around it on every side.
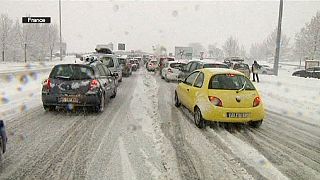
(243, 87)
(62, 77)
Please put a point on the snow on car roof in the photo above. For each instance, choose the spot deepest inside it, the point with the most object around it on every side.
(221, 71)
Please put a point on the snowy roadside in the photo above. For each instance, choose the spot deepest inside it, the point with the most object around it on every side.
(157, 151)
(291, 96)
(21, 92)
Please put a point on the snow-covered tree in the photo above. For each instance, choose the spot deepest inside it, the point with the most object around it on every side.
(214, 51)
(5, 28)
(231, 47)
(307, 41)
(267, 48)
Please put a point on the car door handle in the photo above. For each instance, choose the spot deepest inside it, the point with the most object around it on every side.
(188, 90)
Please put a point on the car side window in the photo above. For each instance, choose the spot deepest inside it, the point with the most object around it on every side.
(108, 72)
(101, 70)
(190, 79)
(193, 67)
(199, 81)
(187, 67)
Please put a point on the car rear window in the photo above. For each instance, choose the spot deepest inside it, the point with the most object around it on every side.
(176, 65)
(72, 72)
(122, 61)
(108, 61)
(230, 82)
(241, 66)
(215, 66)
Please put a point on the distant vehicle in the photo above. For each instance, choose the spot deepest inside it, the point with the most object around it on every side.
(230, 61)
(134, 65)
(137, 62)
(265, 69)
(112, 63)
(242, 67)
(199, 64)
(125, 65)
(79, 85)
(220, 95)
(3, 140)
(162, 62)
(313, 72)
(172, 69)
(152, 65)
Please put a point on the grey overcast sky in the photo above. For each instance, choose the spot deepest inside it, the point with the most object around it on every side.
(142, 24)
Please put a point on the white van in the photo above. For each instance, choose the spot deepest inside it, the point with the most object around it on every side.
(111, 61)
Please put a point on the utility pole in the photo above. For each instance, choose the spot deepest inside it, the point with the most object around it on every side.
(25, 52)
(60, 30)
(278, 44)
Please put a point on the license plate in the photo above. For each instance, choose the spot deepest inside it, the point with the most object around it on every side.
(69, 100)
(237, 115)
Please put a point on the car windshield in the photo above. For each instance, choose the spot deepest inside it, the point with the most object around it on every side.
(72, 72)
(230, 82)
(212, 65)
(177, 65)
(240, 66)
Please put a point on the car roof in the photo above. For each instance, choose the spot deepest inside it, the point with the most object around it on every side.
(214, 71)
(180, 61)
(207, 61)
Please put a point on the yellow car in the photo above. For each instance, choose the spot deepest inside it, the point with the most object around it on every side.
(220, 95)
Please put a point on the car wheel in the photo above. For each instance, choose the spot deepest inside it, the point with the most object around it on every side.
(100, 107)
(49, 107)
(198, 120)
(264, 72)
(120, 80)
(114, 93)
(255, 124)
(1, 152)
(177, 102)
(166, 78)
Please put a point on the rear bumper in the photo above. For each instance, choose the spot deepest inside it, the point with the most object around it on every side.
(84, 100)
(219, 114)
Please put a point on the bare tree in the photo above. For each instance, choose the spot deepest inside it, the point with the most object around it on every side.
(231, 47)
(5, 28)
(214, 51)
(307, 41)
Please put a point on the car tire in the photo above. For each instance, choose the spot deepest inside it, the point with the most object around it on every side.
(100, 107)
(264, 72)
(198, 120)
(166, 78)
(1, 152)
(114, 93)
(49, 107)
(120, 80)
(255, 124)
(177, 102)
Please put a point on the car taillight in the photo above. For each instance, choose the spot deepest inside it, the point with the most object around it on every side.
(94, 84)
(170, 70)
(215, 101)
(256, 101)
(47, 83)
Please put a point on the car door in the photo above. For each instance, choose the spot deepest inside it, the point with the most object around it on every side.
(102, 78)
(195, 90)
(110, 80)
(186, 70)
(185, 89)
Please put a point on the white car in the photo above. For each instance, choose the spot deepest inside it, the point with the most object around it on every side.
(265, 69)
(152, 65)
(172, 69)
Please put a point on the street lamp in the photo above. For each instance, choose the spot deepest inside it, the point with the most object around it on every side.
(60, 30)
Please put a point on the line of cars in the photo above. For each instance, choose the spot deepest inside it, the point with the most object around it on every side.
(89, 84)
(215, 91)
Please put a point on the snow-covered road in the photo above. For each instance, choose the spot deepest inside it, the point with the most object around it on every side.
(142, 135)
